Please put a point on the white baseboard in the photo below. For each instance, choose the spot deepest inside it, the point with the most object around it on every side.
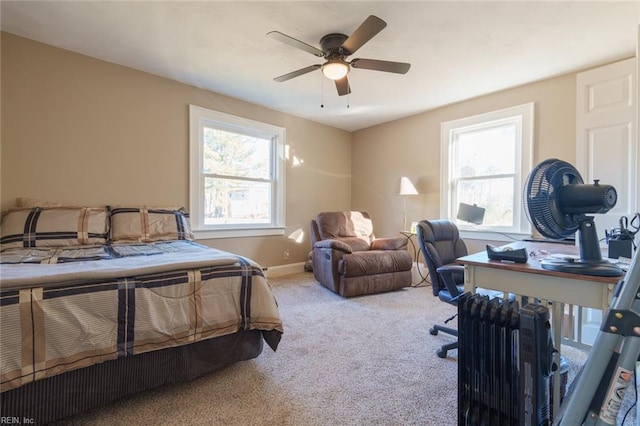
(280, 270)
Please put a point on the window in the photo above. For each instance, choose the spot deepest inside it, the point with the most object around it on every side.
(485, 161)
(236, 181)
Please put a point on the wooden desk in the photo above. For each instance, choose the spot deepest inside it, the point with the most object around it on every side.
(529, 279)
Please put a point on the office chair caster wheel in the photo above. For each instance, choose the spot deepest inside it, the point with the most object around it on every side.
(433, 331)
(441, 353)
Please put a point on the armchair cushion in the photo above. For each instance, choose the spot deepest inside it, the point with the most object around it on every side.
(356, 244)
(374, 262)
(399, 243)
(345, 224)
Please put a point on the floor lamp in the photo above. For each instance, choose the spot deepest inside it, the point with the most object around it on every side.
(406, 188)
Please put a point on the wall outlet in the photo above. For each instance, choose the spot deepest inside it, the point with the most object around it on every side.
(286, 254)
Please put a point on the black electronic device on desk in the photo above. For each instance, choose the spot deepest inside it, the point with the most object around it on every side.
(507, 254)
(621, 241)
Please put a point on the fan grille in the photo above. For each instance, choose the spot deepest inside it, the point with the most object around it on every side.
(541, 200)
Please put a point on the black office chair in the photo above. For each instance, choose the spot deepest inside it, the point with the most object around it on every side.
(441, 245)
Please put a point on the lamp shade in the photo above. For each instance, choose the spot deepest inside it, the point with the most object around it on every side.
(406, 187)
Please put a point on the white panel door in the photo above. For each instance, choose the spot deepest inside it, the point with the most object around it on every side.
(607, 149)
(606, 135)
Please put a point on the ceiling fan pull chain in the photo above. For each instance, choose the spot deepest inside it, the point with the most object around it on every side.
(321, 91)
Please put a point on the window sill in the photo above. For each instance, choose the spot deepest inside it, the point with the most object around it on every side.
(488, 235)
(209, 234)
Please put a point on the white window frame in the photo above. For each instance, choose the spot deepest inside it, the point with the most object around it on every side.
(198, 118)
(523, 117)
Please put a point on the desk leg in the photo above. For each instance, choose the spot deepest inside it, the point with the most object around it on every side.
(469, 279)
(558, 314)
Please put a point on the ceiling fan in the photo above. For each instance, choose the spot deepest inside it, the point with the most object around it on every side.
(335, 49)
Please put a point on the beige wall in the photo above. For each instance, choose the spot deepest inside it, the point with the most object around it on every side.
(83, 131)
(411, 147)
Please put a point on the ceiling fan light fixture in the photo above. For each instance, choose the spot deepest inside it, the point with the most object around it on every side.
(335, 48)
(335, 70)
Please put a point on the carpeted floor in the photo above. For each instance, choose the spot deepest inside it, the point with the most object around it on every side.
(363, 361)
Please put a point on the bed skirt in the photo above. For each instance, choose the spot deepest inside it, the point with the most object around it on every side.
(64, 395)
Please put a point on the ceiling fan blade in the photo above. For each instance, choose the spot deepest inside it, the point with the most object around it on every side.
(277, 35)
(297, 73)
(343, 86)
(386, 66)
(365, 32)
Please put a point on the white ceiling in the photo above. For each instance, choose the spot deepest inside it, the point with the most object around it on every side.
(458, 49)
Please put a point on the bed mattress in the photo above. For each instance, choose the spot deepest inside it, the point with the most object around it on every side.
(67, 308)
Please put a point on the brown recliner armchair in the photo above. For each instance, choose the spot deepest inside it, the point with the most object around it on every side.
(350, 261)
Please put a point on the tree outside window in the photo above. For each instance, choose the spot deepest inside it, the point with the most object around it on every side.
(236, 184)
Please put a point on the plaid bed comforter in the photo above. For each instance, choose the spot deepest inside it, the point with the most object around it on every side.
(58, 316)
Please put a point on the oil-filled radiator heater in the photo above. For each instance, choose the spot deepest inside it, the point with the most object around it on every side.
(505, 359)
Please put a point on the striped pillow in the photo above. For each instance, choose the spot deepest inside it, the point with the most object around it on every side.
(146, 224)
(54, 227)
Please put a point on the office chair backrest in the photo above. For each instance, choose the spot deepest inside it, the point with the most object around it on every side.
(441, 245)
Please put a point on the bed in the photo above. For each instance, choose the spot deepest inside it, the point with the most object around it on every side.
(99, 303)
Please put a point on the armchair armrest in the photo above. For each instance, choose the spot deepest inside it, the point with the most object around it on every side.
(392, 243)
(452, 274)
(333, 244)
(449, 273)
(450, 269)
